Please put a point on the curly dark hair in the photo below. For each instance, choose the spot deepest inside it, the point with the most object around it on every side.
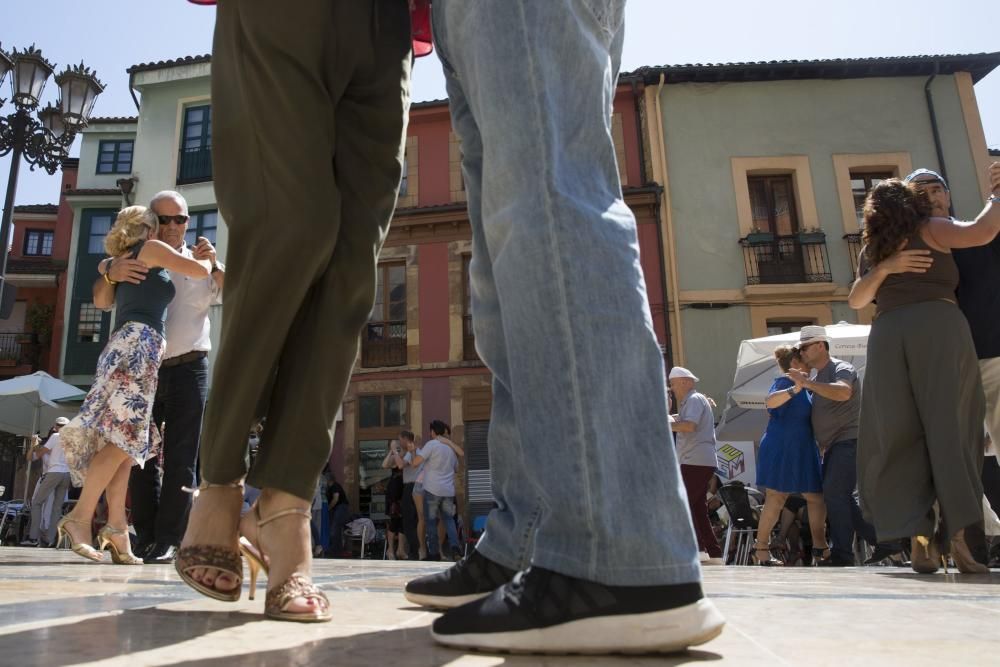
(893, 213)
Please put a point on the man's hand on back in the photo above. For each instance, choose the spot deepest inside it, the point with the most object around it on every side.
(128, 271)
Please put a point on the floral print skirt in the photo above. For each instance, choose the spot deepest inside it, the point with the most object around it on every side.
(118, 410)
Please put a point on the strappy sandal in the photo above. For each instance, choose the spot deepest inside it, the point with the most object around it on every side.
(770, 561)
(296, 586)
(104, 537)
(224, 559)
(79, 548)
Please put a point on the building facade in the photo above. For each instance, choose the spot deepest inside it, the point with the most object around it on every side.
(765, 168)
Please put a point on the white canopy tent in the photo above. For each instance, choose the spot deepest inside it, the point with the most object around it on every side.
(745, 416)
(31, 403)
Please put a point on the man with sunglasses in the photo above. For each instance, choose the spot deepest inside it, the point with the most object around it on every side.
(160, 509)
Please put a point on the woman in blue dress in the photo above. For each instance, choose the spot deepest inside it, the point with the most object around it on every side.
(788, 461)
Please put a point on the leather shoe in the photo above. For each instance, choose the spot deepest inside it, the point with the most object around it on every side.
(882, 551)
(160, 554)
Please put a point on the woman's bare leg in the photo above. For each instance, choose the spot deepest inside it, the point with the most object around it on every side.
(817, 519)
(774, 502)
(102, 470)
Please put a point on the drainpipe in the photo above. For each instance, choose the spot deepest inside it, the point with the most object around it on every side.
(934, 126)
(668, 216)
(131, 90)
(643, 179)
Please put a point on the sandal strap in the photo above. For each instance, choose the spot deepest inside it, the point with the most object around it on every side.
(296, 586)
(283, 513)
(111, 530)
(208, 485)
(204, 555)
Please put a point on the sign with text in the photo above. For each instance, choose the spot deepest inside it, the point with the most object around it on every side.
(737, 461)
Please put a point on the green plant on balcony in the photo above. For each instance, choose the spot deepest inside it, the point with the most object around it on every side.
(812, 235)
(758, 236)
(39, 318)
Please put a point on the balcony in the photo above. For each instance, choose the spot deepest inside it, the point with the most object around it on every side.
(786, 260)
(195, 165)
(19, 353)
(854, 245)
(383, 344)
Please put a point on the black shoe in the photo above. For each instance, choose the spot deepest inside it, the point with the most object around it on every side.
(468, 580)
(541, 611)
(431, 558)
(28, 543)
(835, 561)
(882, 551)
(160, 554)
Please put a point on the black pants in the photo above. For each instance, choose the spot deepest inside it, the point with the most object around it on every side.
(160, 508)
(410, 522)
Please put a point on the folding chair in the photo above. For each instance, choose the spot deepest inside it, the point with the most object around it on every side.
(742, 530)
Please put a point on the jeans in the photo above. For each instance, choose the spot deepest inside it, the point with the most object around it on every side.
(57, 483)
(840, 481)
(160, 509)
(578, 432)
(435, 507)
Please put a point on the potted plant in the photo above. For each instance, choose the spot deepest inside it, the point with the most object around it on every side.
(758, 236)
(39, 317)
(812, 235)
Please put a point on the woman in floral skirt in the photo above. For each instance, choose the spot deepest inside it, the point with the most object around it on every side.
(113, 430)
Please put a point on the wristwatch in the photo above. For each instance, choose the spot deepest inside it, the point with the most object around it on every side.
(791, 391)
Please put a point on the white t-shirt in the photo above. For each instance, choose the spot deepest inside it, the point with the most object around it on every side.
(57, 458)
(187, 323)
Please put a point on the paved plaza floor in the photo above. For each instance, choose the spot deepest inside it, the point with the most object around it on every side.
(57, 609)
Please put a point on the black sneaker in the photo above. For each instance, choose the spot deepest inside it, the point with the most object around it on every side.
(468, 580)
(882, 552)
(541, 611)
(28, 543)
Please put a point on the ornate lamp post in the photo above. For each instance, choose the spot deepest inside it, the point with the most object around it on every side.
(43, 142)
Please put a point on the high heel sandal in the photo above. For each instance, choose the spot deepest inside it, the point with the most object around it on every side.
(962, 556)
(925, 556)
(770, 561)
(296, 586)
(200, 556)
(79, 548)
(104, 536)
(822, 556)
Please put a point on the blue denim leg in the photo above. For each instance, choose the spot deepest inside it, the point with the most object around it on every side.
(578, 435)
(840, 479)
(448, 514)
(432, 507)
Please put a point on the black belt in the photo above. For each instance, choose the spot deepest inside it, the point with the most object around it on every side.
(183, 359)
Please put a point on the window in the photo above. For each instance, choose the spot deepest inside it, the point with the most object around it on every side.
(100, 225)
(772, 202)
(196, 145)
(468, 335)
(403, 183)
(115, 157)
(88, 328)
(776, 327)
(202, 223)
(861, 185)
(382, 411)
(384, 342)
(38, 242)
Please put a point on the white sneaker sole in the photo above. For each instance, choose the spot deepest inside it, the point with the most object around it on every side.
(442, 602)
(657, 632)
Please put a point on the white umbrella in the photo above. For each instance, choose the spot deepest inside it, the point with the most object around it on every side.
(744, 417)
(31, 403)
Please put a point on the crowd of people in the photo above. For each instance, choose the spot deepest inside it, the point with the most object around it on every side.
(579, 388)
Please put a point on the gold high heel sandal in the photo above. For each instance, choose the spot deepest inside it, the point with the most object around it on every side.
(79, 548)
(200, 556)
(104, 536)
(297, 585)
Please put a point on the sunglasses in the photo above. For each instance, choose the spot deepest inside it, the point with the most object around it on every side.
(176, 219)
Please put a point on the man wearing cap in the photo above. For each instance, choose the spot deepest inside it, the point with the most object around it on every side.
(978, 296)
(56, 481)
(836, 395)
(694, 425)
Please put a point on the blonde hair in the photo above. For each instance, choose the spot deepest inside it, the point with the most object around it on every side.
(785, 354)
(131, 226)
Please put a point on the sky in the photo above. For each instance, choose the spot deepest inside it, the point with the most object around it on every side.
(111, 35)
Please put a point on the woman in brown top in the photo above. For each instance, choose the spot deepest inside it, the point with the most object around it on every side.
(922, 404)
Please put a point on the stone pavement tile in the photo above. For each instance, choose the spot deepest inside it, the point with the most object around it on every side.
(56, 609)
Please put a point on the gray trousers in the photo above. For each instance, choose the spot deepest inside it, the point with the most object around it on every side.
(310, 108)
(51, 482)
(921, 432)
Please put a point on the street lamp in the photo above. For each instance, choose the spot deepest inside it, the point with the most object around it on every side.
(42, 142)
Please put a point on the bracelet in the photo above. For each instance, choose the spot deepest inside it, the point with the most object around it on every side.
(791, 391)
(108, 280)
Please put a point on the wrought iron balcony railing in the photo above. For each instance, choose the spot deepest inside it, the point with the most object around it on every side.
(780, 260)
(383, 344)
(195, 165)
